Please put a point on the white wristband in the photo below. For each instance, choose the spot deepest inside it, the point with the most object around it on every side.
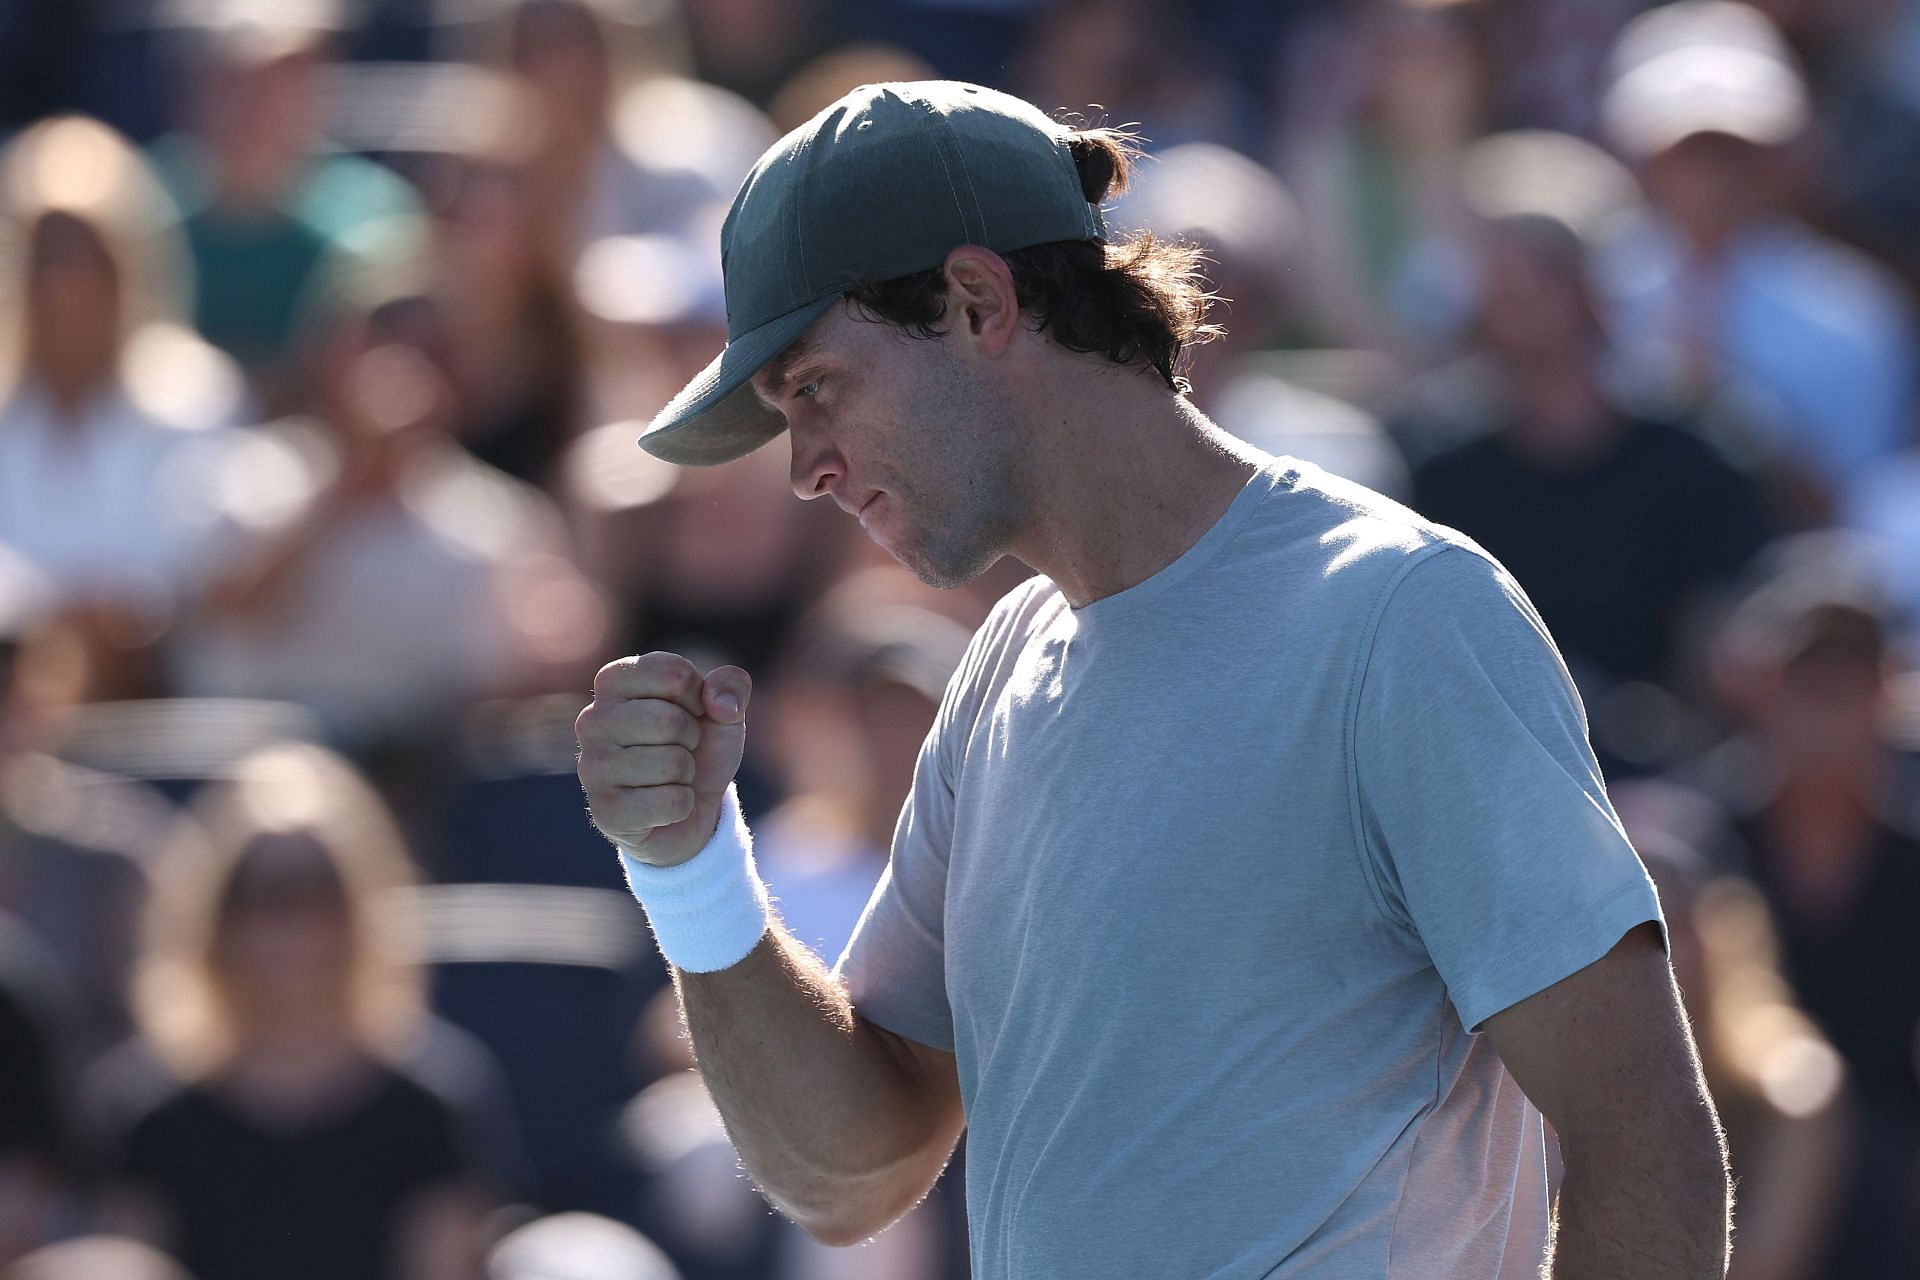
(708, 912)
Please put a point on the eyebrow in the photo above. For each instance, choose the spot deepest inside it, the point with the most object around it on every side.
(779, 369)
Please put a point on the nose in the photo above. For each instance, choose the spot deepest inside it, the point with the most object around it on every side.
(817, 465)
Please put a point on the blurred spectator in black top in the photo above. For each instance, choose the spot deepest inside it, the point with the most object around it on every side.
(1725, 287)
(514, 350)
(267, 202)
(1815, 791)
(1618, 524)
(298, 1130)
(1777, 1083)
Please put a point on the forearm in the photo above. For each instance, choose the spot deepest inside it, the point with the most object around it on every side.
(1661, 1218)
(830, 1119)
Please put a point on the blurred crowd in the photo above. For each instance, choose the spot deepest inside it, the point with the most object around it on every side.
(326, 329)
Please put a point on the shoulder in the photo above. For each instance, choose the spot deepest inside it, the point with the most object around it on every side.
(1359, 540)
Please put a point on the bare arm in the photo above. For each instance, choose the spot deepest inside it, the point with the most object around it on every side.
(843, 1126)
(1607, 1057)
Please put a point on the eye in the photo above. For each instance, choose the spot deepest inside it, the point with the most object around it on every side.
(810, 389)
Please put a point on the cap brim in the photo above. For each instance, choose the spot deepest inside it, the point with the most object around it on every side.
(717, 417)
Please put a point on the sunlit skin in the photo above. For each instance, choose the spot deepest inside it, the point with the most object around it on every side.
(994, 440)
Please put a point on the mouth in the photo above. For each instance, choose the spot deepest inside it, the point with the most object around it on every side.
(860, 512)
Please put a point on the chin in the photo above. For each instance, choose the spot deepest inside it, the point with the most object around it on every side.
(946, 575)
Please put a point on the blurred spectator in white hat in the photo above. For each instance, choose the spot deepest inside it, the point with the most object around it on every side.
(1725, 286)
(1240, 213)
(109, 408)
(267, 199)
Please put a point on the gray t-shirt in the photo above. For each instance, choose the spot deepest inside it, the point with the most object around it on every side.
(1210, 884)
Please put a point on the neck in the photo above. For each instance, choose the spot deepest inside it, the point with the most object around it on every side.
(1130, 475)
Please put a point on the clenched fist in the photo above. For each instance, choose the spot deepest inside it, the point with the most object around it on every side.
(658, 746)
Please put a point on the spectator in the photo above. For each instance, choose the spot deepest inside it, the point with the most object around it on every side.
(1725, 286)
(855, 695)
(105, 403)
(1388, 100)
(1620, 524)
(1859, 182)
(279, 989)
(591, 180)
(267, 205)
(1240, 214)
(514, 348)
(1139, 60)
(1778, 1084)
(752, 47)
(381, 575)
(1813, 789)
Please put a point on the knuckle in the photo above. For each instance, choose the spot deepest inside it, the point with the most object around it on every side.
(667, 671)
(608, 678)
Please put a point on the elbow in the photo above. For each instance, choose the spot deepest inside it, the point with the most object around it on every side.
(840, 1233)
(843, 1221)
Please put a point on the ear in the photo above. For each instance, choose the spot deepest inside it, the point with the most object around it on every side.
(982, 305)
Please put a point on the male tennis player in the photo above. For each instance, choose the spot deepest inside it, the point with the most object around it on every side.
(1257, 892)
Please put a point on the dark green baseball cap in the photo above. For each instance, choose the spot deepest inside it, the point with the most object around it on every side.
(885, 182)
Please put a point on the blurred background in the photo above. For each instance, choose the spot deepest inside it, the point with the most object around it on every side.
(326, 328)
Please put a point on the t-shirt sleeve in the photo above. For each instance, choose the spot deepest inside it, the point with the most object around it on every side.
(894, 967)
(1487, 828)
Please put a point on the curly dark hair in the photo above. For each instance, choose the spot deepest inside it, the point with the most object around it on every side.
(1142, 300)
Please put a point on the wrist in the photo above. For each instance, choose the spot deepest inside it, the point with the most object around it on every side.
(708, 912)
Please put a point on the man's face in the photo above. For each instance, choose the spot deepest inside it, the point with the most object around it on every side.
(909, 435)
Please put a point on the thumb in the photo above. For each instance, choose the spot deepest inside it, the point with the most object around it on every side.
(723, 729)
